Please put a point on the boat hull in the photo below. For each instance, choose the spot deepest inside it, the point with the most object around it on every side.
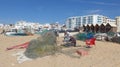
(15, 34)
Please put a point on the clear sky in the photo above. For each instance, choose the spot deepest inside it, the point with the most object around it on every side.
(49, 11)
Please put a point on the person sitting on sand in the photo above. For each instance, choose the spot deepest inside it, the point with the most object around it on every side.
(66, 36)
(72, 41)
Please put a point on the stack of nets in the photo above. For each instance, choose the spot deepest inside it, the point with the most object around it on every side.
(81, 36)
(42, 32)
(90, 35)
(116, 39)
(42, 46)
(84, 36)
(110, 33)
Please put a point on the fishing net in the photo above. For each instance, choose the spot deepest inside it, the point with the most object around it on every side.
(42, 46)
(84, 36)
(90, 35)
(81, 36)
(116, 39)
(110, 33)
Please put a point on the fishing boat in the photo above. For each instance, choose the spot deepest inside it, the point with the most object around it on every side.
(15, 32)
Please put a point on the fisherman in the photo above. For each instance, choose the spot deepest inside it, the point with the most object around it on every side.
(72, 41)
(66, 36)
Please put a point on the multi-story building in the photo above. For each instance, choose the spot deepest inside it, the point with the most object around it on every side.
(72, 22)
(118, 23)
(78, 21)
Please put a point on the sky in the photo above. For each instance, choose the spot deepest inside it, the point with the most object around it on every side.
(50, 11)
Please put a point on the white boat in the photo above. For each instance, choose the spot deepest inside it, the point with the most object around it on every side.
(14, 32)
(10, 33)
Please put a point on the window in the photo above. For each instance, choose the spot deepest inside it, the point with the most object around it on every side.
(84, 20)
(90, 19)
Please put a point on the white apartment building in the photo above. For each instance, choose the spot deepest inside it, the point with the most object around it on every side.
(118, 23)
(78, 21)
(71, 22)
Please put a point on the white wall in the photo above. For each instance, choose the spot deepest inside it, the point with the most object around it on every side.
(118, 23)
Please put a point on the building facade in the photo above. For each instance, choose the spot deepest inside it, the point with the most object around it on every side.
(118, 23)
(71, 22)
(79, 21)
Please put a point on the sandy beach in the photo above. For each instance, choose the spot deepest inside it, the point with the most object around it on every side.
(104, 54)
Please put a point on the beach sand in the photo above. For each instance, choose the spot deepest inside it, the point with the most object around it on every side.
(104, 54)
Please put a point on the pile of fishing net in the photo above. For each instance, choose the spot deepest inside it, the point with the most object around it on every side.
(116, 39)
(110, 33)
(42, 46)
(84, 36)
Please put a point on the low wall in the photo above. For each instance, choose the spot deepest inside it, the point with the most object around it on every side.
(71, 33)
